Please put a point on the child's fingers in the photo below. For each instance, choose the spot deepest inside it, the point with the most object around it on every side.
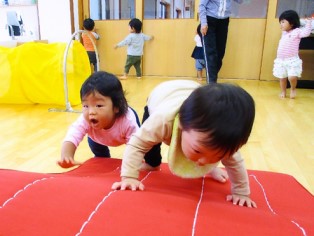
(64, 164)
(67, 163)
(116, 186)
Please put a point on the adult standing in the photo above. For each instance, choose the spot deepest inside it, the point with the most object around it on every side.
(214, 16)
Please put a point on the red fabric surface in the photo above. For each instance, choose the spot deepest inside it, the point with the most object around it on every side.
(81, 202)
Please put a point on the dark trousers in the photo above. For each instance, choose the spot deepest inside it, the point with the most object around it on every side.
(152, 157)
(92, 59)
(16, 30)
(133, 61)
(101, 150)
(215, 45)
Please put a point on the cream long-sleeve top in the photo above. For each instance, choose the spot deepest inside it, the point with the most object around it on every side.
(163, 105)
(120, 133)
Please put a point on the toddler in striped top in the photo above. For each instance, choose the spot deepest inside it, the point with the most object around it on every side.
(288, 65)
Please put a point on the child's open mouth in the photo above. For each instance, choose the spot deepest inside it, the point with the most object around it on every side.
(94, 121)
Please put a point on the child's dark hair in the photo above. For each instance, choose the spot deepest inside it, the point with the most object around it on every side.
(224, 111)
(89, 24)
(292, 17)
(198, 30)
(136, 24)
(107, 85)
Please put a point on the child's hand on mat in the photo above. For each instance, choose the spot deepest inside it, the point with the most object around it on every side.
(128, 183)
(67, 162)
(241, 200)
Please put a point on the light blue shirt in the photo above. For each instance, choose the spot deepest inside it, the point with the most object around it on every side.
(220, 9)
(135, 43)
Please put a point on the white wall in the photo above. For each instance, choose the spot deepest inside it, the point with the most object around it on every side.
(54, 20)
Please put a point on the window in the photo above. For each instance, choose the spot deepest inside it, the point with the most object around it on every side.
(304, 8)
(112, 9)
(250, 9)
(169, 9)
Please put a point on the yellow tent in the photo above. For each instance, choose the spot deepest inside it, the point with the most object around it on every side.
(33, 73)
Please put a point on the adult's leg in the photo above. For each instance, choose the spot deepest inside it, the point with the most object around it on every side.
(221, 40)
(210, 46)
(99, 150)
(153, 156)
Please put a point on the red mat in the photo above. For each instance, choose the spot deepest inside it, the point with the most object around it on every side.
(81, 202)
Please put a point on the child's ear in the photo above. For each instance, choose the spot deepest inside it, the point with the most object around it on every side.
(179, 125)
(116, 110)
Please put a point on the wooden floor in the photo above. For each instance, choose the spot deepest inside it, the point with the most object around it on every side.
(282, 139)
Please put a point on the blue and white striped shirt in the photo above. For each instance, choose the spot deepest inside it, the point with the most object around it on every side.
(220, 9)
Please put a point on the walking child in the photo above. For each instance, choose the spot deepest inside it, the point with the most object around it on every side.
(107, 119)
(89, 26)
(202, 125)
(288, 65)
(135, 43)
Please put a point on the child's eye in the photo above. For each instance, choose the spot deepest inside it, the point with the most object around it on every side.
(99, 106)
(85, 106)
(196, 151)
